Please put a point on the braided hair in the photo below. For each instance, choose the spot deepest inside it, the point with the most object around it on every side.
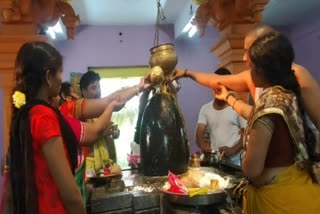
(272, 56)
(34, 60)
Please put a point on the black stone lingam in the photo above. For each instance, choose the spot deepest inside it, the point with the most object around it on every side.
(164, 142)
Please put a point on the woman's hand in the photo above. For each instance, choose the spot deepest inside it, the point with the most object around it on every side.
(178, 73)
(144, 83)
(109, 129)
(117, 104)
(221, 93)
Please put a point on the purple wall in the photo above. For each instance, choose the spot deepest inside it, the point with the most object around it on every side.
(101, 46)
(306, 41)
(96, 46)
(194, 55)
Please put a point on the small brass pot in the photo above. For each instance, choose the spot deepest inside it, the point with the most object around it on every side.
(194, 161)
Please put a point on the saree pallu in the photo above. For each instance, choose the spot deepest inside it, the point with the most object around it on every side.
(73, 112)
(78, 129)
(292, 192)
(74, 109)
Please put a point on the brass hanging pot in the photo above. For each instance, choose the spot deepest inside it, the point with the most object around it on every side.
(164, 56)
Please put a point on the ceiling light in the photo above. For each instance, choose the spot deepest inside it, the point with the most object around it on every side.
(188, 25)
(57, 28)
(51, 32)
(56, 31)
(192, 31)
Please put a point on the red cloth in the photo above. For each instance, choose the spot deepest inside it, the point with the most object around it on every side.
(76, 128)
(74, 110)
(68, 109)
(281, 149)
(3, 191)
(45, 125)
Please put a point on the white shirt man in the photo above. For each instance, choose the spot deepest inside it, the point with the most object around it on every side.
(224, 125)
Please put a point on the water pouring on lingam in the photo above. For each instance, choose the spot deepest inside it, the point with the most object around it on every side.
(164, 142)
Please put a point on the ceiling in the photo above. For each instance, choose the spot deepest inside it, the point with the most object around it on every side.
(143, 12)
(126, 12)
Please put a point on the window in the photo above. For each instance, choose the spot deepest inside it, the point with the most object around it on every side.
(126, 118)
(113, 79)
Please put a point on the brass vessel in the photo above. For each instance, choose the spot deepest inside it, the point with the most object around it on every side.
(194, 160)
(164, 56)
(156, 75)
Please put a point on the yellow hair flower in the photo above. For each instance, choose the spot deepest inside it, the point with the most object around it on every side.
(19, 99)
(199, 2)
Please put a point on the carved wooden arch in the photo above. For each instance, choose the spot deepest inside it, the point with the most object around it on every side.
(43, 13)
(221, 13)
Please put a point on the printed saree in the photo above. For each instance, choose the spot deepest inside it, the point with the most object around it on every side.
(293, 190)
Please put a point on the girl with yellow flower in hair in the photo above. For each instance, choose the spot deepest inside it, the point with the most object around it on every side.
(37, 144)
(41, 163)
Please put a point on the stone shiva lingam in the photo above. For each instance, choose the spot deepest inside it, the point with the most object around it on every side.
(163, 140)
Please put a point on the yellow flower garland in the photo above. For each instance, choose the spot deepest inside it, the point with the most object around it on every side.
(19, 99)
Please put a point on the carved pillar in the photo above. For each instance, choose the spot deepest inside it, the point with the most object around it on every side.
(234, 19)
(19, 21)
(230, 47)
(12, 37)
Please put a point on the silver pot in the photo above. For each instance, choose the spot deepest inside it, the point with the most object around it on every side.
(210, 159)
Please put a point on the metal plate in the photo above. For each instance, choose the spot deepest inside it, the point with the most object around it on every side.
(207, 199)
(105, 177)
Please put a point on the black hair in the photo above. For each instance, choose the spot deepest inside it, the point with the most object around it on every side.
(65, 89)
(34, 59)
(260, 31)
(88, 78)
(272, 56)
(222, 71)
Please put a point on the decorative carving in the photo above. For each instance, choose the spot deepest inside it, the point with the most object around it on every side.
(43, 13)
(221, 13)
(69, 19)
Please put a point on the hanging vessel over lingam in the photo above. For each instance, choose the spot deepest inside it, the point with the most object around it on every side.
(164, 141)
(165, 57)
(162, 62)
